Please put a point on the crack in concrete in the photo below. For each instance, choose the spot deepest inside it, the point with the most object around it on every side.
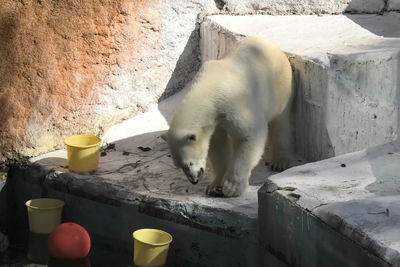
(316, 207)
(134, 165)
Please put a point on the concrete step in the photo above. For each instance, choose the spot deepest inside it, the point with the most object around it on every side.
(343, 211)
(346, 71)
(135, 189)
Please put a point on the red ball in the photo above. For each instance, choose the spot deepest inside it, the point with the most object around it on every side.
(69, 241)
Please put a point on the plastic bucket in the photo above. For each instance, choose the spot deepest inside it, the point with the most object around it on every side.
(150, 247)
(83, 152)
(44, 214)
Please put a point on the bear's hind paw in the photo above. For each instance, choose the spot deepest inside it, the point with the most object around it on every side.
(286, 163)
(280, 165)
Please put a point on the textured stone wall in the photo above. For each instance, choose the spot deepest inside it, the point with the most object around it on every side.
(74, 66)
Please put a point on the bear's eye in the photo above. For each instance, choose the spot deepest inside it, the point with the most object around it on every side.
(192, 137)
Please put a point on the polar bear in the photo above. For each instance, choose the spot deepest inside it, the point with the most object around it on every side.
(233, 106)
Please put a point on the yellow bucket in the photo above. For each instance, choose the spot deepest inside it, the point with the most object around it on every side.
(83, 152)
(44, 214)
(150, 247)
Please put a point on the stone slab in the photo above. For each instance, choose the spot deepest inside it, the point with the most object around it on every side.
(345, 70)
(357, 195)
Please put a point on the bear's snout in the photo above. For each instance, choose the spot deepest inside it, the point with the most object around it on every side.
(192, 175)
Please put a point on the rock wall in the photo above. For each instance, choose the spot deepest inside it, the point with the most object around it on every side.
(75, 66)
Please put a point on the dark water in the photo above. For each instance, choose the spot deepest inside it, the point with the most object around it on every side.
(37, 248)
(99, 256)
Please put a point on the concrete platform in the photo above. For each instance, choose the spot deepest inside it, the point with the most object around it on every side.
(137, 186)
(344, 211)
(346, 73)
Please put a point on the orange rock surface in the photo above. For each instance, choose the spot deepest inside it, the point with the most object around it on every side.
(58, 61)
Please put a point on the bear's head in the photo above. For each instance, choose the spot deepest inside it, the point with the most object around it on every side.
(189, 152)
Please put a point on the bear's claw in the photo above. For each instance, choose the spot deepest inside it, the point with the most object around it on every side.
(214, 191)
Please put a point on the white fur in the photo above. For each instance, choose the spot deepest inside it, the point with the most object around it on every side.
(228, 110)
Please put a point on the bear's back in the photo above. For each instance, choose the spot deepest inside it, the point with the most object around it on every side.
(267, 72)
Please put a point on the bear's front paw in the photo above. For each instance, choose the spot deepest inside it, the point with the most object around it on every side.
(233, 188)
(214, 190)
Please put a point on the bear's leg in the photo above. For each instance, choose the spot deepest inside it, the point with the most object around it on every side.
(246, 156)
(281, 140)
(220, 154)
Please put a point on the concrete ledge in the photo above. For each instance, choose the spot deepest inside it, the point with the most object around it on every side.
(149, 180)
(336, 205)
(345, 68)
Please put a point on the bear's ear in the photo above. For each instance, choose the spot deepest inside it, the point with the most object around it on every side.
(164, 136)
(191, 137)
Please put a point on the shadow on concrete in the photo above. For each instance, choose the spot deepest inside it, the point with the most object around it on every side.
(386, 25)
(138, 164)
(309, 115)
(387, 175)
(142, 164)
(186, 67)
(385, 169)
